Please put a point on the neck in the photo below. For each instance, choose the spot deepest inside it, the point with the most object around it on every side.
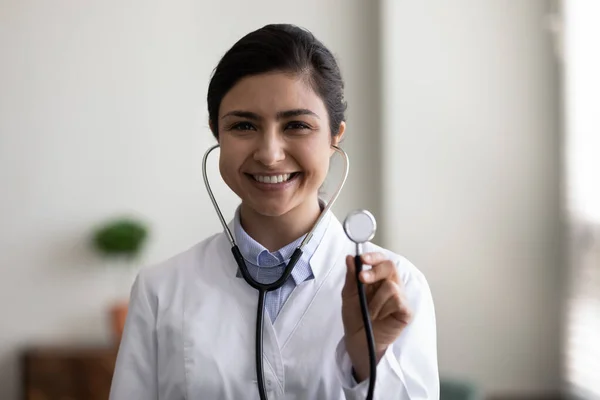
(277, 232)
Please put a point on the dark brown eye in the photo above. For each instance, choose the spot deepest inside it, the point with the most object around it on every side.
(243, 126)
(296, 125)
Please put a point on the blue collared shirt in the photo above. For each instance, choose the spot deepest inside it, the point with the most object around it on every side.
(267, 267)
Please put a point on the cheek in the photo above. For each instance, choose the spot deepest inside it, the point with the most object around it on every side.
(223, 166)
(228, 162)
(316, 158)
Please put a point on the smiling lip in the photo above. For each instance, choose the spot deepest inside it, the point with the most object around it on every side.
(273, 181)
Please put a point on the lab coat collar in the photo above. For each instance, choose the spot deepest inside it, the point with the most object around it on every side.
(332, 228)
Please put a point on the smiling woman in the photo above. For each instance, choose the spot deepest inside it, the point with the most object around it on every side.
(276, 107)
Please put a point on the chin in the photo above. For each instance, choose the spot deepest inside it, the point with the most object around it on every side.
(276, 211)
(270, 208)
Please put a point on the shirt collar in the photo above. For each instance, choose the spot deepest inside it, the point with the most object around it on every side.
(259, 256)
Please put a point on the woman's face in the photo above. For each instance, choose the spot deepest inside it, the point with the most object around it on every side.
(275, 142)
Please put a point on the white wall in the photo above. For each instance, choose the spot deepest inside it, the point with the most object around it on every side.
(582, 195)
(471, 171)
(582, 95)
(102, 111)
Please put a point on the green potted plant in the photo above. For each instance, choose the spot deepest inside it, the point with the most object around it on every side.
(120, 241)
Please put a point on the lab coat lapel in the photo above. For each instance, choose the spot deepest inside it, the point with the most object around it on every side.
(328, 257)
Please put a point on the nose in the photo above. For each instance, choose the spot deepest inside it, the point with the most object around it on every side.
(270, 148)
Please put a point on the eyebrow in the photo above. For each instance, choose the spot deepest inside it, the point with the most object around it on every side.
(280, 115)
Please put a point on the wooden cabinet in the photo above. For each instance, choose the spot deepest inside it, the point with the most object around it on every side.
(67, 373)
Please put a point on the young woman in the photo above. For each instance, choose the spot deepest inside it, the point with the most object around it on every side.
(276, 107)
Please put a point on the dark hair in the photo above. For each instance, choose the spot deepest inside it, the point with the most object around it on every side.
(285, 48)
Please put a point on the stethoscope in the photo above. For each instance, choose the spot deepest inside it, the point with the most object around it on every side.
(359, 226)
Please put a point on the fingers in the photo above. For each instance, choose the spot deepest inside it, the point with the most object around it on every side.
(373, 258)
(388, 291)
(350, 288)
(382, 269)
(389, 301)
(396, 307)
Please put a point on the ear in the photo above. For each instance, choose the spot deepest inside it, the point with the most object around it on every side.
(337, 139)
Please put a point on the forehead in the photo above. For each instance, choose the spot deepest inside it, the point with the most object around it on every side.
(270, 93)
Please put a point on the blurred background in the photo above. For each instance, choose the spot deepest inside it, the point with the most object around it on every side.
(474, 135)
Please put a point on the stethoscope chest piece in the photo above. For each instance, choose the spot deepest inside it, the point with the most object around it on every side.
(360, 226)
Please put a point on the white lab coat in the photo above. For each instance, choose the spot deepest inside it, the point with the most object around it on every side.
(191, 326)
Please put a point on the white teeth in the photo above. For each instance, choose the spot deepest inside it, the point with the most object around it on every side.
(272, 178)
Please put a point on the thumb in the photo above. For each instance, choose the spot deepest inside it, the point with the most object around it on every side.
(350, 287)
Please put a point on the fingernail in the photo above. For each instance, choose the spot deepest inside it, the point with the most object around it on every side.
(367, 276)
(367, 258)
